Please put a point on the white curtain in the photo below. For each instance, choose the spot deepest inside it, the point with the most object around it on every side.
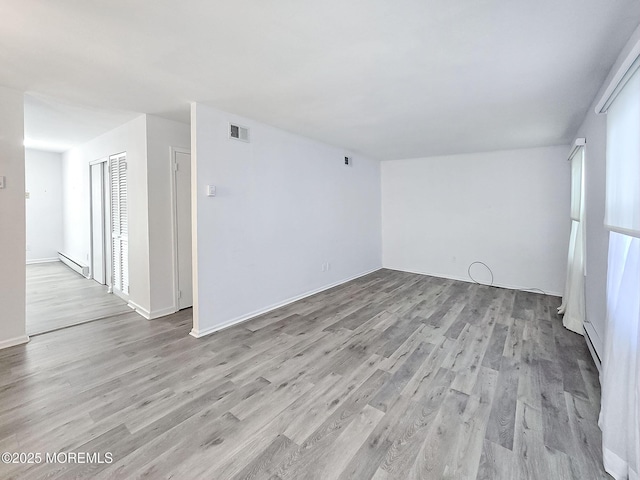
(619, 415)
(573, 300)
(621, 363)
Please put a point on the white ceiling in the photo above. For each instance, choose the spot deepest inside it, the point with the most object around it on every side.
(397, 79)
(53, 125)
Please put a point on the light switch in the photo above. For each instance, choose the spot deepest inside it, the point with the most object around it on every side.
(211, 190)
(2, 181)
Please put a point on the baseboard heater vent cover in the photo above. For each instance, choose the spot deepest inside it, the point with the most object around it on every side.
(73, 265)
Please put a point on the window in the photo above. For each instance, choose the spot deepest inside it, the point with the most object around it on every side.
(619, 416)
(573, 300)
(622, 213)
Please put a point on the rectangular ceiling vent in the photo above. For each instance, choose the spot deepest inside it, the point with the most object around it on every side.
(238, 132)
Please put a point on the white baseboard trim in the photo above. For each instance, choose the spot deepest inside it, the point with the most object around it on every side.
(12, 342)
(161, 313)
(243, 318)
(150, 315)
(43, 260)
(138, 309)
(468, 280)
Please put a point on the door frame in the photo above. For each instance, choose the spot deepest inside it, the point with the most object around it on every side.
(174, 223)
(106, 220)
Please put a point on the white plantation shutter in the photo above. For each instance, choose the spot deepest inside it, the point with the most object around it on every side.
(119, 224)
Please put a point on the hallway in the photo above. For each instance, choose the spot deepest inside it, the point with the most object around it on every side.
(58, 297)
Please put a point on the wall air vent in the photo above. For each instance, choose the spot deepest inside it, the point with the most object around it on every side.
(238, 132)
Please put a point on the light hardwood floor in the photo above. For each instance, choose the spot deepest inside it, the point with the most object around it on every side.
(58, 297)
(392, 375)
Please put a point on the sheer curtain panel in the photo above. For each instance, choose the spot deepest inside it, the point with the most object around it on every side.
(621, 363)
(573, 300)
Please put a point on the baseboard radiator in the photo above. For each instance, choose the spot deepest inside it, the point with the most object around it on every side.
(592, 350)
(73, 265)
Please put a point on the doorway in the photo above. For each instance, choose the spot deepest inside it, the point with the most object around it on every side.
(181, 199)
(65, 289)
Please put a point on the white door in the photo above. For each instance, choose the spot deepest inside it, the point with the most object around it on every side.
(98, 256)
(119, 225)
(182, 226)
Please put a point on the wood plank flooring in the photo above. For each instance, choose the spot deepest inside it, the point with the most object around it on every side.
(58, 297)
(390, 376)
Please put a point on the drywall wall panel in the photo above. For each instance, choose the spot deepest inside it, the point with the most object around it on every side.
(594, 130)
(162, 134)
(43, 179)
(130, 138)
(508, 209)
(12, 219)
(285, 206)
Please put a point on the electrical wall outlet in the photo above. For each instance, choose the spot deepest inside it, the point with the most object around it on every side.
(3, 181)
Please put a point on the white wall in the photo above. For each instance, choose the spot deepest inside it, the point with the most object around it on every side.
(43, 179)
(147, 141)
(285, 205)
(594, 130)
(162, 134)
(12, 220)
(130, 138)
(508, 209)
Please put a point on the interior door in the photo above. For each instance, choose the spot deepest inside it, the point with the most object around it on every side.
(182, 208)
(98, 256)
